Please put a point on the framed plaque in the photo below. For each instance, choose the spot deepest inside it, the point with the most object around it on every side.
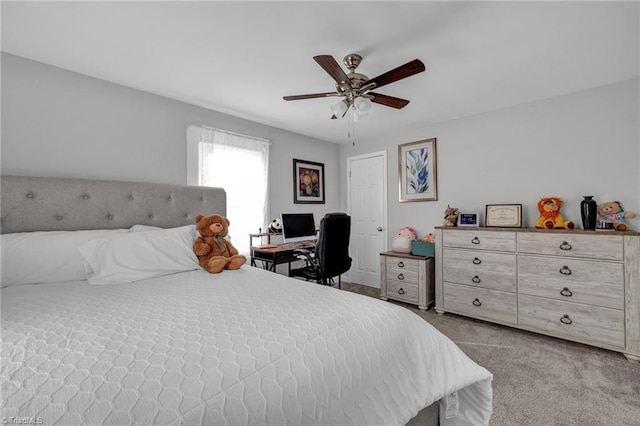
(503, 216)
(469, 219)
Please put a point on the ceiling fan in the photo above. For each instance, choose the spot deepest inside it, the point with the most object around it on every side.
(355, 87)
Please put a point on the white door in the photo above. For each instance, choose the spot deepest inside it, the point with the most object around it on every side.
(367, 205)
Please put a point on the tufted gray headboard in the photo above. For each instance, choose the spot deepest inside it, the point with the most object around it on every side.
(57, 204)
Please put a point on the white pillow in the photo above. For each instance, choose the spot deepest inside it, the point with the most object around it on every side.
(137, 256)
(44, 257)
(139, 228)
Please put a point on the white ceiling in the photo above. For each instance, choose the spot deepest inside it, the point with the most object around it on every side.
(242, 57)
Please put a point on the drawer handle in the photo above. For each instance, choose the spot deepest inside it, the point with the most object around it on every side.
(566, 320)
(477, 261)
(476, 302)
(401, 291)
(400, 276)
(476, 279)
(566, 292)
(401, 264)
(565, 246)
(565, 270)
(475, 240)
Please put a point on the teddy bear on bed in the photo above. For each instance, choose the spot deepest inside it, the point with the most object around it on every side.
(214, 251)
(550, 217)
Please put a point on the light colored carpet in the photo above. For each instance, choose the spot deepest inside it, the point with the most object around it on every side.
(540, 380)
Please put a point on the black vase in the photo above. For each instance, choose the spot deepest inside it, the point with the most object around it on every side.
(588, 210)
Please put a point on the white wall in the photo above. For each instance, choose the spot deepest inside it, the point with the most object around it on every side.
(585, 143)
(57, 123)
(62, 124)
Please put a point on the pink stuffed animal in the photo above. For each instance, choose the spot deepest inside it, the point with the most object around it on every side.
(402, 240)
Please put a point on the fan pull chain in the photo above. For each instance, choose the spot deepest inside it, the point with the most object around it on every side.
(351, 127)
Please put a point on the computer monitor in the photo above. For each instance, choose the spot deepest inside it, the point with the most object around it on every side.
(297, 227)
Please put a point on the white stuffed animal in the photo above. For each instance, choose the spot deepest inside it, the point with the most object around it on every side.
(275, 227)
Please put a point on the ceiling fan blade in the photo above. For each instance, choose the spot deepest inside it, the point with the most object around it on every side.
(389, 101)
(331, 67)
(403, 71)
(310, 96)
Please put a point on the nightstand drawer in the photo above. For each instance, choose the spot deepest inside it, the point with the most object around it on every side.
(480, 240)
(481, 303)
(585, 323)
(402, 269)
(401, 264)
(481, 269)
(572, 280)
(403, 276)
(406, 292)
(605, 247)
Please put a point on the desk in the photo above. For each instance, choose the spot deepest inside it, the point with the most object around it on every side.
(276, 254)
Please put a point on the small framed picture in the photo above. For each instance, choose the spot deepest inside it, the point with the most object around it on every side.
(469, 219)
(503, 215)
(308, 182)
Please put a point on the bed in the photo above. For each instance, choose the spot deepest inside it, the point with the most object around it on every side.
(136, 339)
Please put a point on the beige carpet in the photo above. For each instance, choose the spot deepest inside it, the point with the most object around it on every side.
(540, 380)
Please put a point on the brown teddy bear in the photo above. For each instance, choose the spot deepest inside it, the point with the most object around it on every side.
(550, 217)
(451, 216)
(613, 212)
(214, 252)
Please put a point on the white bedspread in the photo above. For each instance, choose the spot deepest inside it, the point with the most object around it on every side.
(240, 347)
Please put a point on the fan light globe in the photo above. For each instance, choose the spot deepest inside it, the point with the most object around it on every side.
(339, 109)
(362, 105)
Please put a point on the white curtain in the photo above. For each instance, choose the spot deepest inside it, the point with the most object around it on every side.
(240, 165)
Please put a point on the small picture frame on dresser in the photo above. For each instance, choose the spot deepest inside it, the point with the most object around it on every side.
(470, 219)
(503, 216)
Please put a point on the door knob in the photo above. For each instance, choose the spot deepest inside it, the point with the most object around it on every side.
(379, 229)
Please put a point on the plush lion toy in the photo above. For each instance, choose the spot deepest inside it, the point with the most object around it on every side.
(613, 212)
(214, 252)
(550, 216)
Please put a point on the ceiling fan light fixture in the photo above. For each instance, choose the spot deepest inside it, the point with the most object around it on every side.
(340, 108)
(355, 88)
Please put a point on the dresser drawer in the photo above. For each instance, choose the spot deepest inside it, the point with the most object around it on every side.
(572, 280)
(606, 247)
(588, 324)
(493, 305)
(406, 292)
(480, 240)
(481, 269)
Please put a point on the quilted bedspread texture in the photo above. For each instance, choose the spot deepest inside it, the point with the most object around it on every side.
(240, 347)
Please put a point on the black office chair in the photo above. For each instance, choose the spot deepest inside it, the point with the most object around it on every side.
(331, 257)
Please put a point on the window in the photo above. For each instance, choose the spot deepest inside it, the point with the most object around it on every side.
(240, 165)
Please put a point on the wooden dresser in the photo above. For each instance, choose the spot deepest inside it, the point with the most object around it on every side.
(407, 278)
(577, 285)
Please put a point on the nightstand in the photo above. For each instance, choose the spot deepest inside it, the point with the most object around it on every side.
(407, 278)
